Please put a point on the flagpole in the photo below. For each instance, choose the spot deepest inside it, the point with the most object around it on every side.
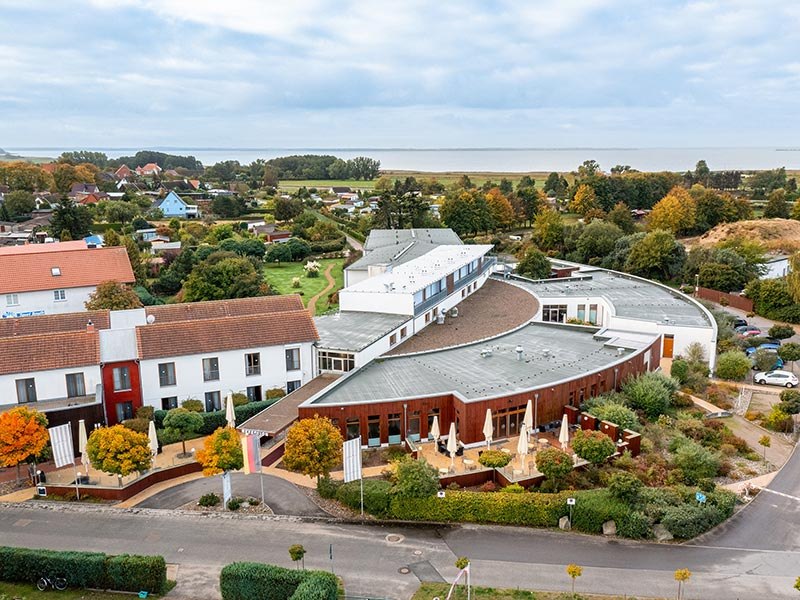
(75, 472)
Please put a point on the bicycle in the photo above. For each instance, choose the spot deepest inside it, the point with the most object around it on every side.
(57, 583)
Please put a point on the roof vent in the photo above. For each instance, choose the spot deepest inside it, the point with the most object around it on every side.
(520, 352)
(486, 352)
(620, 351)
(546, 353)
(151, 319)
(55, 271)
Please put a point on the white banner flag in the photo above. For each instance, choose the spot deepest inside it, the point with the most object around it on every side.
(226, 487)
(61, 441)
(352, 460)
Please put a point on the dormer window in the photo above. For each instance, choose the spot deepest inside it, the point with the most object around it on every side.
(55, 271)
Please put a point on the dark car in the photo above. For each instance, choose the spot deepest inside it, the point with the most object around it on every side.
(739, 322)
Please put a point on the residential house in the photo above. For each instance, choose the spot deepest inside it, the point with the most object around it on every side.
(124, 172)
(271, 234)
(173, 205)
(339, 190)
(149, 170)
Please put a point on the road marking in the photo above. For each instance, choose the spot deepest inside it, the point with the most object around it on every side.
(22, 522)
(763, 489)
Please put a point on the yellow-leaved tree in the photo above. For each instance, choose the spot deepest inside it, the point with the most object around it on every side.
(313, 446)
(676, 212)
(119, 450)
(23, 435)
(222, 451)
(501, 209)
(584, 200)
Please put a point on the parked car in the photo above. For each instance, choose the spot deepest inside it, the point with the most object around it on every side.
(739, 322)
(749, 331)
(772, 340)
(765, 346)
(722, 414)
(778, 364)
(783, 378)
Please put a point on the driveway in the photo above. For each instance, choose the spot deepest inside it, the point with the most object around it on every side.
(281, 496)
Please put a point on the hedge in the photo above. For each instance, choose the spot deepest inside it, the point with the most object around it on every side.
(258, 581)
(376, 496)
(215, 419)
(129, 573)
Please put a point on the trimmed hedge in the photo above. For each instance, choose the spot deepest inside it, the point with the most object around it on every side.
(258, 581)
(216, 419)
(128, 573)
(377, 496)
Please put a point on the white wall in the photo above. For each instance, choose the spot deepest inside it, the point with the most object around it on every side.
(232, 378)
(44, 303)
(390, 302)
(50, 385)
(354, 276)
(777, 268)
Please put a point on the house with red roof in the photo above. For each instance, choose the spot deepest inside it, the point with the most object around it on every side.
(149, 170)
(123, 172)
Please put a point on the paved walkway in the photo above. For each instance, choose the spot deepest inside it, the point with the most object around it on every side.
(312, 304)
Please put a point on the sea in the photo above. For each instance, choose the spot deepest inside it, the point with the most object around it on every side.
(498, 160)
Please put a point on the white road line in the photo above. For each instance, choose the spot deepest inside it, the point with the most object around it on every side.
(763, 489)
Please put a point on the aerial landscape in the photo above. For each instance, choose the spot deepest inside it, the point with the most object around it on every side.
(406, 301)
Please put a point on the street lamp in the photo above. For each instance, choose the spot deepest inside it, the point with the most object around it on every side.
(696, 284)
(536, 415)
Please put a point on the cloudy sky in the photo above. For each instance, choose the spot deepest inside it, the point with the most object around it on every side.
(426, 74)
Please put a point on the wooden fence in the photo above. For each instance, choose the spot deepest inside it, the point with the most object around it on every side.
(726, 299)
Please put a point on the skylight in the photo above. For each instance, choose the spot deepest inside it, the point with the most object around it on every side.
(55, 271)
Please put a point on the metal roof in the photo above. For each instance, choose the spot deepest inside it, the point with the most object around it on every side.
(551, 354)
(353, 330)
(397, 246)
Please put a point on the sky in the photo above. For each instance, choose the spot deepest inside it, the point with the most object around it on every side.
(406, 74)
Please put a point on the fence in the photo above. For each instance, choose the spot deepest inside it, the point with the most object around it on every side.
(726, 299)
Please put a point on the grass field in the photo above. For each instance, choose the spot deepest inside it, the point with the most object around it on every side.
(29, 592)
(280, 278)
(432, 590)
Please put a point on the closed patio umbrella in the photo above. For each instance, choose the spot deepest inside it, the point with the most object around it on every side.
(527, 420)
(522, 447)
(82, 443)
(435, 433)
(230, 414)
(452, 445)
(563, 435)
(151, 433)
(488, 428)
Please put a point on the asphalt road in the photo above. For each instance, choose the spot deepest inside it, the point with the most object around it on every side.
(281, 496)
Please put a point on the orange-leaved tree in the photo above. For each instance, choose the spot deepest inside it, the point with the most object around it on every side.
(313, 446)
(23, 435)
(222, 451)
(119, 450)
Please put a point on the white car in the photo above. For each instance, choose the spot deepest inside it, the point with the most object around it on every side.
(784, 378)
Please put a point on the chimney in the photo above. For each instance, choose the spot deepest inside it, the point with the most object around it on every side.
(89, 326)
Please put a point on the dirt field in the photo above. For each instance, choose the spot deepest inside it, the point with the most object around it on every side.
(775, 234)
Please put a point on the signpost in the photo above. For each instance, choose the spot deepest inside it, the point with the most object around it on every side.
(570, 503)
(700, 497)
(351, 450)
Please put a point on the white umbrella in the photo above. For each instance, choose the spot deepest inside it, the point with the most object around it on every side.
(563, 435)
(522, 447)
(527, 420)
(151, 433)
(435, 433)
(230, 414)
(452, 444)
(488, 428)
(82, 443)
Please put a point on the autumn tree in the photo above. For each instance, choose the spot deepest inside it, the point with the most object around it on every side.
(548, 229)
(574, 571)
(21, 175)
(675, 212)
(584, 200)
(621, 216)
(23, 435)
(554, 464)
(313, 447)
(222, 451)
(501, 209)
(184, 423)
(119, 450)
(113, 295)
(593, 446)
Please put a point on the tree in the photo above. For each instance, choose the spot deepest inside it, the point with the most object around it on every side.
(733, 365)
(287, 209)
(597, 240)
(594, 446)
(793, 278)
(790, 402)
(621, 216)
(781, 331)
(548, 229)
(777, 207)
(221, 276)
(534, 264)
(112, 295)
(119, 450)
(222, 451)
(297, 554)
(554, 464)
(682, 575)
(415, 479)
(313, 447)
(763, 359)
(574, 571)
(584, 200)
(789, 352)
(71, 217)
(656, 256)
(765, 441)
(183, 423)
(20, 175)
(501, 210)
(675, 212)
(23, 435)
(120, 211)
(19, 202)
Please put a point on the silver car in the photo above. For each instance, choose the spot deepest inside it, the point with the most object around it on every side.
(783, 378)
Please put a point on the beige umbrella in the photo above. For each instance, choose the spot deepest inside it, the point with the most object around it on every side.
(82, 443)
(452, 444)
(527, 420)
(563, 435)
(522, 447)
(488, 428)
(435, 433)
(230, 414)
(151, 433)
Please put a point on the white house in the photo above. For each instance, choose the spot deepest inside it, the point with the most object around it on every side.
(39, 279)
(777, 266)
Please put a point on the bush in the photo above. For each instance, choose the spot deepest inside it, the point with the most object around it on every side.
(274, 393)
(616, 413)
(689, 521)
(595, 507)
(650, 393)
(215, 419)
(193, 405)
(415, 479)
(209, 500)
(733, 365)
(777, 420)
(131, 573)
(489, 486)
(235, 503)
(257, 581)
(790, 402)
(494, 459)
(594, 446)
(514, 488)
(138, 425)
(239, 399)
(145, 412)
(554, 464)
(625, 487)
(377, 495)
(634, 525)
(327, 487)
(680, 370)
(695, 462)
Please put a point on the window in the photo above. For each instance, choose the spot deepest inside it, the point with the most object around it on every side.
(374, 430)
(59, 295)
(26, 390)
(122, 379)
(336, 361)
(413, 426)
(124, 411)
(581, 312)
(427, 317)
(593, 314)
(213, 401)
(166, 374)
(292, 359)
(352, 428)
(76, 386)
(393, 339)
(12, 299)
(394, 428)
(434, 412)
(210, 369)
(252, 364)
(403, 333)
(554, 313)
(254, 393)
(292, 386)
(55, 271)
(169, 403)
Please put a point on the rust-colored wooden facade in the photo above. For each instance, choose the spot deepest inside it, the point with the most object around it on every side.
(549, 405)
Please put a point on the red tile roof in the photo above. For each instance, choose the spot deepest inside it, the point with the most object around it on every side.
(226, 333)
(30, 353)
(31, 270)
(169, 313)
(46, 324)
(39, 248)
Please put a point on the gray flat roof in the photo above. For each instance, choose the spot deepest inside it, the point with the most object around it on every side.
(631, 297)
(570, 351)
(397, 246)
(353, 331)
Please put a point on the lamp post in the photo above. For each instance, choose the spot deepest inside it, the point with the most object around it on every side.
(536, 415)
(697, 284)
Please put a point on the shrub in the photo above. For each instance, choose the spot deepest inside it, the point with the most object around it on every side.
(777, 420)
(781, 332)
(138, 425)
(326, 487)
(145, 412)
(274, 393)
(650, 393)
(209, 500)
(235, 503)
(193, 405)
(415, 479)
(257, 581)
(594, 446)
(489, 486)
(695, 462)
(733, 365)
(634, 525)
(494, 459)
(680, 370)
(625, 487)
(595, 507)
(131, 573)
(689, 521)
(616, 413)
(239, 399)
(790, 402)
(377, 495)
(554, 464)
(514, 488)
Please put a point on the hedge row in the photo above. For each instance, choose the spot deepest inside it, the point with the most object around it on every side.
(258, 581)
(125, 573)
(216, 419)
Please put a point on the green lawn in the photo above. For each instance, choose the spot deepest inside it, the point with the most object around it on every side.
(280, 278)
(431, 590)
(29, 592)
